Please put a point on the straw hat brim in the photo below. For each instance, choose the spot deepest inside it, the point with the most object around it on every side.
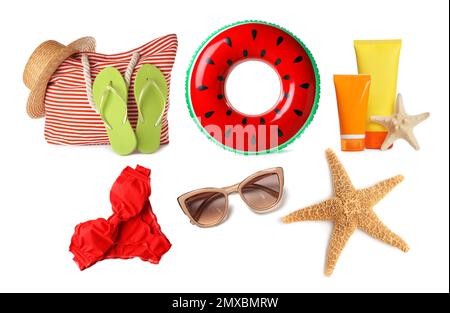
(36, 98)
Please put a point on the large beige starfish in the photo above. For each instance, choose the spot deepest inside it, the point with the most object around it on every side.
(400, 125)
(349, 209)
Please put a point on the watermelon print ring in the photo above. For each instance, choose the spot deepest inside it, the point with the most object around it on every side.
(206, 93)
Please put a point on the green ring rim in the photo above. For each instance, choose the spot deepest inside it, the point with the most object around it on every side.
(293, 138)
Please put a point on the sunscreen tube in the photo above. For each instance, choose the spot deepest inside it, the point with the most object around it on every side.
(352, 95)
(379, 59)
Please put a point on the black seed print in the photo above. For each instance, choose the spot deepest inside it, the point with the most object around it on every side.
(263, 53)
(245, 53)
(220, 78)
(286, 95)
(280, 133)
(220, 97)
(230, 62)
(279, 40)
(298, 112)
(202, 88)
(277, 110)
(210, 61)
(286, 77)
(229, 112)
(304, 86)
(278, 61)
(244, 121)
(209, 114)
(228, 41)
(228, 133)
(298, 59)
(254, 33)
(262, 121)
(253, 141)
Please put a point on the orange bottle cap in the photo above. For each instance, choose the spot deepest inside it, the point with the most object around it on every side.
(374, 140)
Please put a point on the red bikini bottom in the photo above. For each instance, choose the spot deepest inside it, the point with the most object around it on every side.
(132, 230)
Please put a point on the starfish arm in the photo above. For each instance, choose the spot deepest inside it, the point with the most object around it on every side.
(341, 182)
(399, 107)
(372, 195)
(373, 226)
(390, 138)
(416, 119)
(317, 212)
(339, 238)
(412, 140)
(382, 120)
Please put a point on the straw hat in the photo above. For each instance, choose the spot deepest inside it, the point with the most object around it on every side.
(44, 61)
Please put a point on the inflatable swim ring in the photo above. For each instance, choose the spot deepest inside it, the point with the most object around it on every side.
(252, 134)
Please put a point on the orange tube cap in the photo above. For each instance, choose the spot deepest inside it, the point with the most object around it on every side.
(352, 144)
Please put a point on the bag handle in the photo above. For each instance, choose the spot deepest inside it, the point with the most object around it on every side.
(88, 79)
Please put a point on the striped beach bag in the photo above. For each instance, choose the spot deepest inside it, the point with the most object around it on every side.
(61, 83)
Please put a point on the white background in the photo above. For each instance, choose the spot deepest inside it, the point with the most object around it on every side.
(46, 190)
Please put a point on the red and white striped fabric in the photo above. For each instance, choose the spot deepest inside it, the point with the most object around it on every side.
(70, 120)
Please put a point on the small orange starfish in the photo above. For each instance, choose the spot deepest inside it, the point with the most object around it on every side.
(349, 209)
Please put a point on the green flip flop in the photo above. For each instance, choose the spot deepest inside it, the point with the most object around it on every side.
(110, 95)
(150, 92)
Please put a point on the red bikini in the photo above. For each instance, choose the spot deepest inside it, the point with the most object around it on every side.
(132, 230)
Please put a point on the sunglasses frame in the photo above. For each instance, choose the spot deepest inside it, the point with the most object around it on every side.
(236, 188)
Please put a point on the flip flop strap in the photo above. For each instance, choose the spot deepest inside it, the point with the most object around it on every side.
(88, 80)
(148, 84)
(110, 89)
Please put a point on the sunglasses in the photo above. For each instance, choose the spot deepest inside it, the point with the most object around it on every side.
(208, 207)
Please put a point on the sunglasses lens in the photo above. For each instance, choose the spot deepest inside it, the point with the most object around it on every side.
(262, 192)
(207, 208)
